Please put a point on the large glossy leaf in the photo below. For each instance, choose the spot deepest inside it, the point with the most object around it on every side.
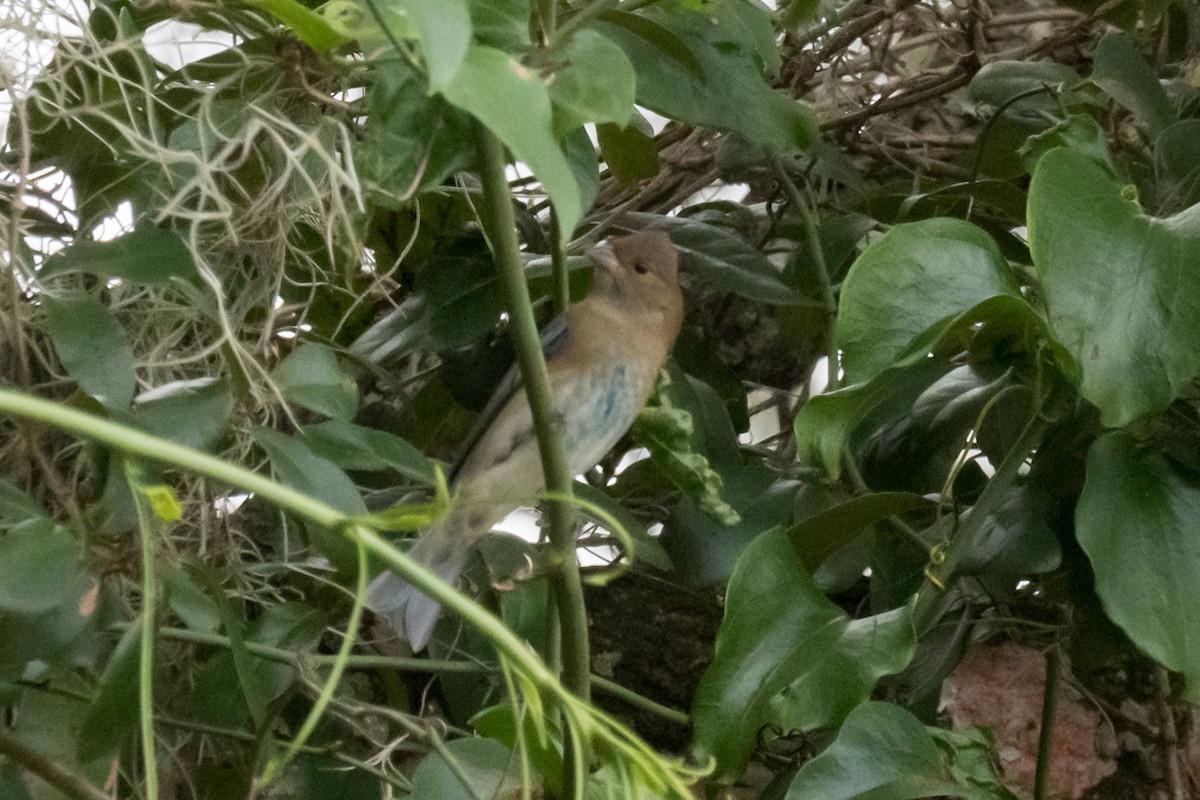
(147, 254)
(92, 345)
(1122, 288)
(1136, 520)
(779, 631)
(884, 753)
(915, 275)
(514, 103)
(819, 536)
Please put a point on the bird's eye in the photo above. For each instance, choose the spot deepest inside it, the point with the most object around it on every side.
(640, 268)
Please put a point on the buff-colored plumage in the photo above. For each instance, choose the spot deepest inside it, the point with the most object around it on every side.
(602, 368)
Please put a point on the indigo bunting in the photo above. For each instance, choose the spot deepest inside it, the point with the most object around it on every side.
(603, 355)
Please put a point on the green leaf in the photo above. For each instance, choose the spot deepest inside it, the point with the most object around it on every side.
(148, 254)
(17, 507)
(190, 602)
(91, 344)
(514, 103)
(1136, 520)
(497, 723)
(1079, 132)
(819, 536)
(721, 258)
(192, 413)
(487, 766)
(645, 547)
(666, 431)
(998, 83)
(503, 24)
(779, 631)
(631, 155)
(39, 567)
(595, 85)
(1122, 289)
(825, 423)
(297, 466)
(356, 447)
(729, 43)
(113, 715)
(914, 276)
(1177, 165)
(444, 32)
(883, 752)
(310, 377)
(1121, 71)
(309, 26)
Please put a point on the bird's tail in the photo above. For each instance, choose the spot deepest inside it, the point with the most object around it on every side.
(407, 609)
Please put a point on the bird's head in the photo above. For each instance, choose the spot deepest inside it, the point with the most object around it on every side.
(640, 273)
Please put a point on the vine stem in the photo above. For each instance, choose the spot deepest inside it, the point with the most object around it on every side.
(132, 442)
(940, 573)
(800, 205)
(565, 580)
(1041, 778)
(73, 786)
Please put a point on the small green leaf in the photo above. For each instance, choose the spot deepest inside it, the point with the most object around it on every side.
(503, 24)
(444, 32)
(192, 413)
(91, 344)
(886, 302)
(113, 715)
(297, 466)
(631, 155)
(1177, 165)
(514, 103)
(487, 766)
(595, 85)
(163, 503)
(148, 254)
(1078, 132)
(310, 377)
(1122, 289)
(356, 447)
(645, 547)
(1121, 71)
(309, 26)
(39, 567)
(779, 631)
(1136, 520)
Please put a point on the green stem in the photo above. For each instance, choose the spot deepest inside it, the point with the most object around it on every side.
(800, 205)
(634, 699)
(135, 443)
(567, 586)
(300, 660)
(558, 268)
(940, 574)
(73, 786)
(147, 529)
(1041, 778)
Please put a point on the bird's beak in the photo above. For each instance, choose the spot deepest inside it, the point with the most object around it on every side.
(602, 255)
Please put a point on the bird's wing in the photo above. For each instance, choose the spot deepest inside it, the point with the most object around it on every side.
(554, 342)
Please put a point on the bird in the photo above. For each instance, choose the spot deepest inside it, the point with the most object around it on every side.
(603, 355)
